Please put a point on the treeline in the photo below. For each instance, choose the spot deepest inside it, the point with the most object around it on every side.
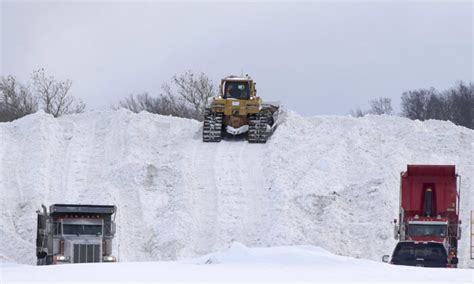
(188, 94)
(46, 92)
(455, 104)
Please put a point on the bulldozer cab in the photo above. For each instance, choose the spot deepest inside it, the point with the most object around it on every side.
(237, 88)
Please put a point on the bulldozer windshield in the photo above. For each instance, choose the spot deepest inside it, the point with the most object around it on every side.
(237, 90)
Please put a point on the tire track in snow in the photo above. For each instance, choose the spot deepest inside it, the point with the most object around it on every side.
(230, 202)
(134, 236)
(84, 156)
(229, 185)
(96, 170)
(9, 229)
(78, 155)
(239, 177)
(203, 190)
(256, 218)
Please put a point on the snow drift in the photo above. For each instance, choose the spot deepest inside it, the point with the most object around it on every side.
(329, 181)
(240, 264)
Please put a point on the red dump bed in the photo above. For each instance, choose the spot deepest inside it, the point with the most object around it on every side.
(441, 179)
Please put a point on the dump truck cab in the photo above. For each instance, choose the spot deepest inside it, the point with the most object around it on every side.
(429, 207)
(73, 233)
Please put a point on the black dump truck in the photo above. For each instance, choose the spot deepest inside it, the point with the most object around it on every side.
(75, 233)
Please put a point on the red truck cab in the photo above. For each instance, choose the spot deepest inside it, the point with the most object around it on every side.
(429, 206)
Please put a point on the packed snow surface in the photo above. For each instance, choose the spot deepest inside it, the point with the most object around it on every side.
(327, 181)
(240, 264)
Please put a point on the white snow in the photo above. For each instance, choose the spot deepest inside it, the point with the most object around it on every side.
(236, 131)
(327, 181)
(240, 264)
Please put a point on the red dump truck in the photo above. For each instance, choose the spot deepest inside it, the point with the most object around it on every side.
(429, 214)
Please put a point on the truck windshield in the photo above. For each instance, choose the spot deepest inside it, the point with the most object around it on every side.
(77, 229)
(412, 251)
(237, 90)
(421, 230)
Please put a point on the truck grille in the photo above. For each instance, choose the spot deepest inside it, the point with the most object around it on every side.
(86, 253)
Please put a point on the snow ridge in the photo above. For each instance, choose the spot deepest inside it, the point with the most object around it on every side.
(329, 181)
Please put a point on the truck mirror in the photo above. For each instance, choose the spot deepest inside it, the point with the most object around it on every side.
(112, 228)
(396, 229)
(385, 258)
(459, 232)
(454, 260)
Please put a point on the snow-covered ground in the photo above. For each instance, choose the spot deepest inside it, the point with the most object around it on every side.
(327, 181)
(242, 265)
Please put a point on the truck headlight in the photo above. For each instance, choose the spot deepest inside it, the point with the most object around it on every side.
(61, 258)
(109, 258)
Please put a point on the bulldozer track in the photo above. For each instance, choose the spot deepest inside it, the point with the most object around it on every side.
(258, 128)
(212, 127)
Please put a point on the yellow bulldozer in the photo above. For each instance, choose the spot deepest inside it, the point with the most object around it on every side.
(238, 110)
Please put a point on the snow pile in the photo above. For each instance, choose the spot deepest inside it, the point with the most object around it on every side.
(240, 264)
(327, 181)
(295, 255)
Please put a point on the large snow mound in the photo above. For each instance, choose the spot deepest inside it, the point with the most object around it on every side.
(329, 181)
(240, 264)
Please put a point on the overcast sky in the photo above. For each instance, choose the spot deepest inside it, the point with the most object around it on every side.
(316, 58)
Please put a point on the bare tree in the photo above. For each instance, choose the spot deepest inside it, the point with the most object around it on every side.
(358, 112)
(196, 90)
(141, 102)
(377, 107)
(54, 95)
(16, 99)
(163, 104)
(455, 104)
(414, 103)
(176, 106)
(460, 101)
(437, 107)
(187, 95)
(381, 106)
